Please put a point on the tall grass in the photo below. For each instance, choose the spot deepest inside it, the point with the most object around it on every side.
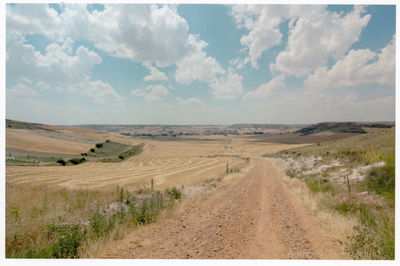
(373, 236)
(60, 223)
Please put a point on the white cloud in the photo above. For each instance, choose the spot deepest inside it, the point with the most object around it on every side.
(239, 62)
(315, 38)
(43, 85)
(101, 92)
(197, 65)
(139, 32)
(143, 33)
(152, 93)
(263, 22)
(315, 34)
(57, 65)
(190, 101)
(26, 80)
(155, 74)
(35, 18)
(20, 90)
(354, 69)
(228, 87)
(264, 91)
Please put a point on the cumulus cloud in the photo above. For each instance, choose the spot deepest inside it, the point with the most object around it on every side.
(190, 101)
(35, 19)
(56, 65)
(264, 91)
(152, 93)
(43, 85)
(263, 23)
(142, 33)
(20, 90)
(315, 34)
(100, 91)
(155, 74)
(313, 39)
(138, 32)
(227, 87)
(355, 68)
(197, 65)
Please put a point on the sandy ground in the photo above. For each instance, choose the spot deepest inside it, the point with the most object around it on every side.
(253, 217)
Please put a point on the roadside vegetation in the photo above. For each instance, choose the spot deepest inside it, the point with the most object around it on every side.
(355, 178)
(47, 223)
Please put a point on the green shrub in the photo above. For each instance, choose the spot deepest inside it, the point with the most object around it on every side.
(121, 157)
(97, 223)
(77, 160)
(68, 240)
(290, 173)
(360, 210)
(174, 193)
(68, 243)
(62, 162)
(317, 185)
(373, 242)
(92, 150)
(148, 210)
(382, 181)
(99, 145)
(135, 150)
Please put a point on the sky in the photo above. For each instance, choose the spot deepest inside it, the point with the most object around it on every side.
(199, 64)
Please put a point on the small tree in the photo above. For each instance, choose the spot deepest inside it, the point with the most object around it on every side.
(62, 162)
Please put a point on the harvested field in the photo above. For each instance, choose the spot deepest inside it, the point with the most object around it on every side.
(301, 139)
(27, 140)
(94, 135)
(169, 163)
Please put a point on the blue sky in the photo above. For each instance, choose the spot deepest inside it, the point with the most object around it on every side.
(199, 64)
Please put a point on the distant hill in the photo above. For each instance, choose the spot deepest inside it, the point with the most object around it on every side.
(343, 127)
(334, 127)
(284, 127)
(25, 125)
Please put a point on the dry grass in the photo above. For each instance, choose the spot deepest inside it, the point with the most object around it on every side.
(44, 227)
(37, 196)
(193, 196)
(24, 140)
(359, 213)
(169, 163)
(30, 209)
(336, 226)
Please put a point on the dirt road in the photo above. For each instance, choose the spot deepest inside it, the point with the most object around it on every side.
(253, 217)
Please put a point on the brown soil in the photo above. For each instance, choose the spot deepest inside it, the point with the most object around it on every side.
(252, 217)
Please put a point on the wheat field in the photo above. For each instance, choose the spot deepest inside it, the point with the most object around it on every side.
(168, 163)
